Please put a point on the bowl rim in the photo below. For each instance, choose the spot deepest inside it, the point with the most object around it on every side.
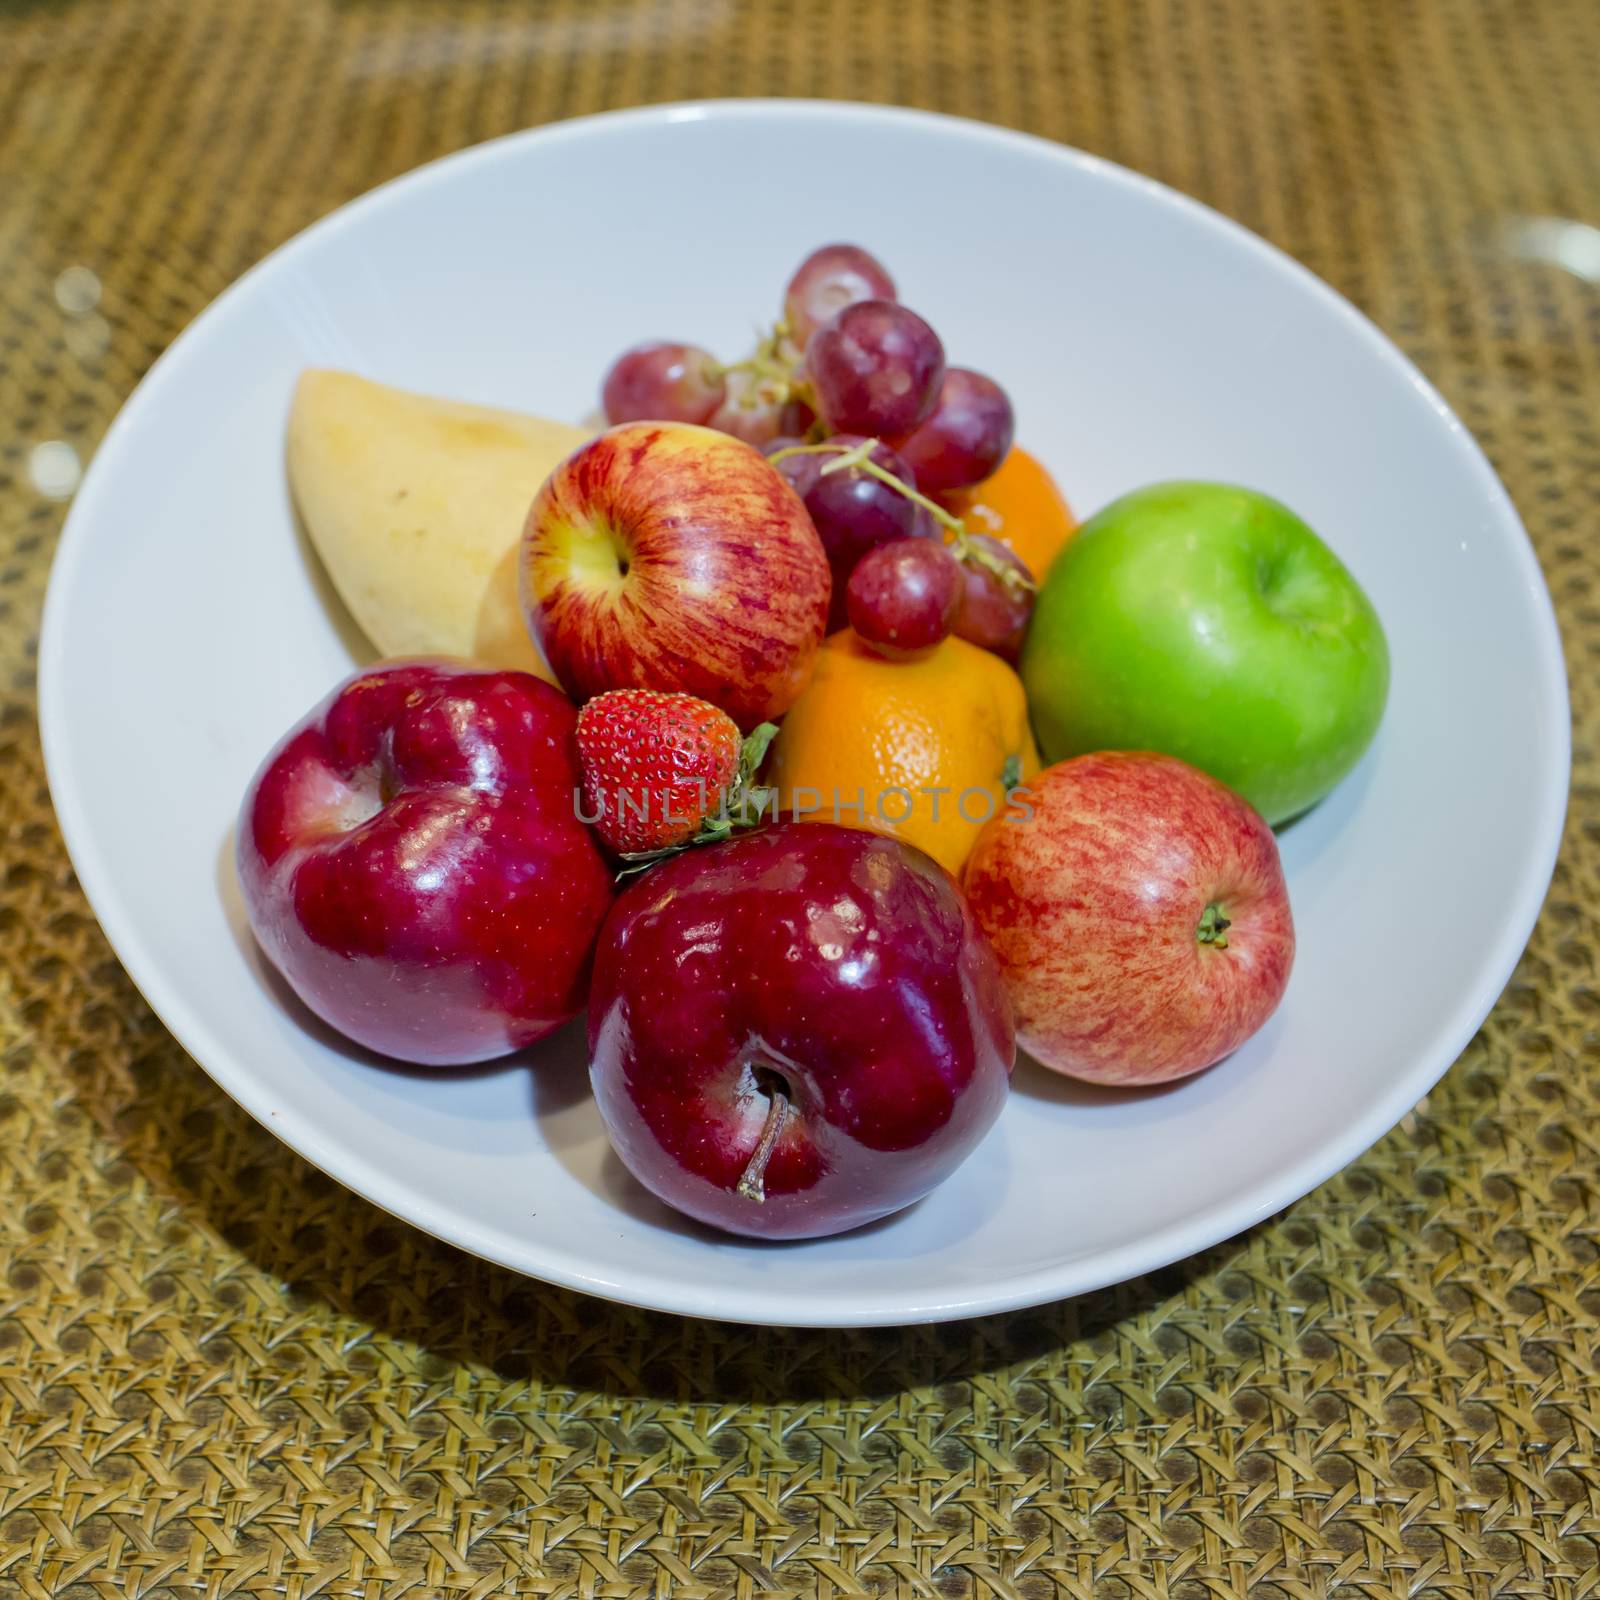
(1187, 1234)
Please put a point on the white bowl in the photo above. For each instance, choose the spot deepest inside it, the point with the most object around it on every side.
(1141, 337)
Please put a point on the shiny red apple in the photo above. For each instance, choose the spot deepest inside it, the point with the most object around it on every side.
(797, 1031)
(669, 556)
(414, 866)
(1140, 916)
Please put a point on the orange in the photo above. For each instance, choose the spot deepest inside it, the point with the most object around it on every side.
(1020, 505)
(922, 750)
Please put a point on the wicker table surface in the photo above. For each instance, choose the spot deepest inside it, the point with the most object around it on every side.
(220, 1374)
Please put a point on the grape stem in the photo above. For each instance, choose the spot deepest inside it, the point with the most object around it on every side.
(776, 374)
(967, 548)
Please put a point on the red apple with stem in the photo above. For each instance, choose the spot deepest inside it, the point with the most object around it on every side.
(674, 557)
(1140, 916)
(797, 1031)
(413, 863)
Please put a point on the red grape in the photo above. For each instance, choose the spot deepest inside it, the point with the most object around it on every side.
(875, 369)
(853, 511)
(826, 282)
(797, 417)
(994, 613)
(903, 597)
(662, 382)
(754, 409)
(967, 436)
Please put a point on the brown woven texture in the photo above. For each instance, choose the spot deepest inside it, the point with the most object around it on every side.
(220, 1374)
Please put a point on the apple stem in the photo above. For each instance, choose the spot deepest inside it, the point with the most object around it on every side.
(1213, 927)
(751, 1184)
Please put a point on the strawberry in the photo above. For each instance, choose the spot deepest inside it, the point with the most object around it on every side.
(662, 771)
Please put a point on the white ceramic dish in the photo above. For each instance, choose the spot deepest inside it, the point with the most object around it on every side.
(1141, 337)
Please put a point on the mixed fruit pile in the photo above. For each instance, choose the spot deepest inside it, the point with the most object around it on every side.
(748, 764)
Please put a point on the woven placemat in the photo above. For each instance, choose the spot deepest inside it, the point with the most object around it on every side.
(222, 1375)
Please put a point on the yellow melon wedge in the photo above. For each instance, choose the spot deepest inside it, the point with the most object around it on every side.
(415, 507)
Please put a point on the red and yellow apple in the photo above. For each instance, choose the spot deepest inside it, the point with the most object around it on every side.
(662, 555)
(1139, 912)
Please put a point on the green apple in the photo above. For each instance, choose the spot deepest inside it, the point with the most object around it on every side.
(1208, 622)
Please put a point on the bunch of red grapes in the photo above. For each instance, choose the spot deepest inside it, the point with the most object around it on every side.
(851, 399)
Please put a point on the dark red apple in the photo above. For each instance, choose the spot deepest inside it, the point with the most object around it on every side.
(797, 1031)
(674, 557)
(1139, 912)
(414, 866)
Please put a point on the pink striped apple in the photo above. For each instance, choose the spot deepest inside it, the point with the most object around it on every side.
(662, 555)
(1139, 912)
